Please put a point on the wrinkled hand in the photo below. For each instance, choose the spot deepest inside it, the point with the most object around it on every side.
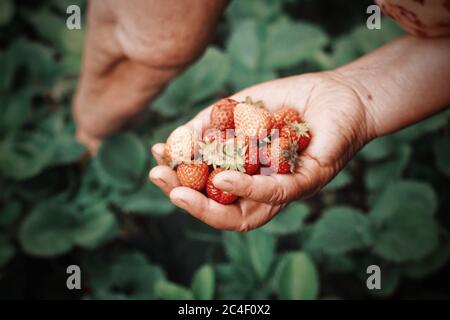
(339, 124)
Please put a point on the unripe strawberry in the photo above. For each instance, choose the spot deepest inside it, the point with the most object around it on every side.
(180, 146)
(252, 119)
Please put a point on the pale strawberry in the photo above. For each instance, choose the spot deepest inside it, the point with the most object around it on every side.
(252, 119)
(180, 146)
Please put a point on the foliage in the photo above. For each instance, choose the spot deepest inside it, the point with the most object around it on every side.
(388, 207)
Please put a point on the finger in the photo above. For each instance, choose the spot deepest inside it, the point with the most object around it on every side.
(273, 189)
(165, 178)
(225, 217)
(257, 214)
(158, 153)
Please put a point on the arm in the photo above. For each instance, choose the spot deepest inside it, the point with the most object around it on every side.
(402, 83)
(132, 50)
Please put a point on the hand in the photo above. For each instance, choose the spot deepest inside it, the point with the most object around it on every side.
(131, 52)
(339, 124)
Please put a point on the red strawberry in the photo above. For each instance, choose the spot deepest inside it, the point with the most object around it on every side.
(284, 167)
(216, 194)
(241, 155)
(299, 133)
(180, 146)
(251, 162)
(264, 155)
(285, 116)
(222, 114)
(193, 175)
(252, 119)
(284, 158)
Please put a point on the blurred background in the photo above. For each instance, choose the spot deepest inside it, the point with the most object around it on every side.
(389, 207)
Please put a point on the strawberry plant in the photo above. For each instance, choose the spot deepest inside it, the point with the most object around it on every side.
(388, 207)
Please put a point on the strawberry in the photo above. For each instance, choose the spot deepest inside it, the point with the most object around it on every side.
(222, 114)
(193, 175)
(216, 194)
(252, 119)
(211, 135)
(241, 155)
(265, 155)
(298, 132)
(285, 116)
(251, 161)
(284, 158)
(180, 146)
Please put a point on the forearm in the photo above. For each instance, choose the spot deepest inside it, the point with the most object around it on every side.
(402, 82)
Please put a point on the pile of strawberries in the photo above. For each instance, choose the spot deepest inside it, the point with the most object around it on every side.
(242, 136)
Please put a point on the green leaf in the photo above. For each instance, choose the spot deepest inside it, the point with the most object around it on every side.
(9, 213)
(289, 220)
(381, 174)
(421, 128)
(403, 192)
(7, 251)
(99, 226)
(408, 233)
(48, 230)
(54, 227)
(68, 149)
(15, 110)
(26, 155)
(245, 45)
(127, 275)
(6, 11)
(441, 148)
(121, 161)
(255, 249)
(304, 41)
(72, 46)
(361, 41)
(199, 82)
(47, 24)
(261, 10)
(148, 200)
(203, 283)
(298, 277)
(433, 262)
(339, 230)
(342, 180)
(171, 291)
(378, 149)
